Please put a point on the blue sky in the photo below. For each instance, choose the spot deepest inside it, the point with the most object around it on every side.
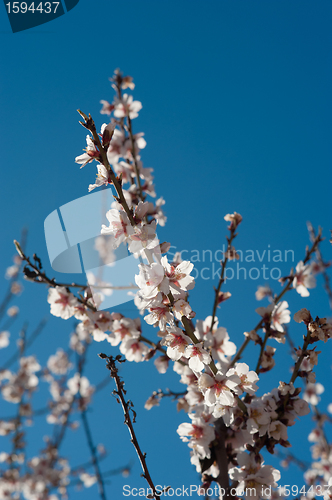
(237, 117)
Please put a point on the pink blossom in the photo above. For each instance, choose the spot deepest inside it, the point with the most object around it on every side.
(88, 479)
(4, 339)
(159, 314)
(200, 435)
(107, 108)
(278, 431)
(262, 292)
(179, 275)
(143, 237)
(126, 106)
(260, 416)
(253, 474)
(181, 308)
(119, 226)
(304, 279)
(79, 384)
(123, 329)
(278, 314)
(235, 219)
(198, 357)
(219, 388)
(312, 392)
(221, 346)
(176, 343)
(62, 302)
(248, 378)
(161, 363)
(152, 280)
(59, 363)
(91, 153)
(302, 315)
(133, 349)
(102, 177)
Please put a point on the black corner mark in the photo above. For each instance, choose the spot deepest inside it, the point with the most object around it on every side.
(24, 15)
(70, 4)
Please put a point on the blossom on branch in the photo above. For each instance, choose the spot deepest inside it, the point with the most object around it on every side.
(91, 153)
(304, 279)
(126, 106)
(198, 357)
(253, 476)
(220, 388)
(176, 343)
(102, 178)
(198, 434)
(119, 226)
(63, 303)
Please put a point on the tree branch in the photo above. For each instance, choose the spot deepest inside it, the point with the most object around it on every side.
(127, 406)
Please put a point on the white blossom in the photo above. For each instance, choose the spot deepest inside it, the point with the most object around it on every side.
(302, 315)
(176, 343)
(179, 275)
(119, 226)
(152, 279)
(199, 435)
(312, 392)
(59, 363)
(198, 357)
(4, 339)
(90, 154)
(304, 279)
(79, 384)
(126, 106)
(254, 475)
(248, 378)
(133, 349)
(62, 302)
(102, 178)
(219, 388)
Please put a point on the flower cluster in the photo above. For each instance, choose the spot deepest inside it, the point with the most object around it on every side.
(228, 418)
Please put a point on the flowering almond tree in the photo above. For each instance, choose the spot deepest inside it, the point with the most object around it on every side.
(229, 426)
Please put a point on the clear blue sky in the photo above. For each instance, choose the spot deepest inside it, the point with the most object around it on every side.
(237, 117)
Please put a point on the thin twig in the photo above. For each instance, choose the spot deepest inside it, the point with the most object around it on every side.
(94, 456)
(133, 153)
(127, 406)
(111, 472)
(132, 141)
(290, 457)
(320, 423)
(267, 334)
(290, 279)
(84, 287)
(90, 125)
(92, 447)
(17, 440)
(233, 235)
(28, 343)
(40, 276)
(323, 264)
(9, 295)
(301, 357)
(289, 339)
